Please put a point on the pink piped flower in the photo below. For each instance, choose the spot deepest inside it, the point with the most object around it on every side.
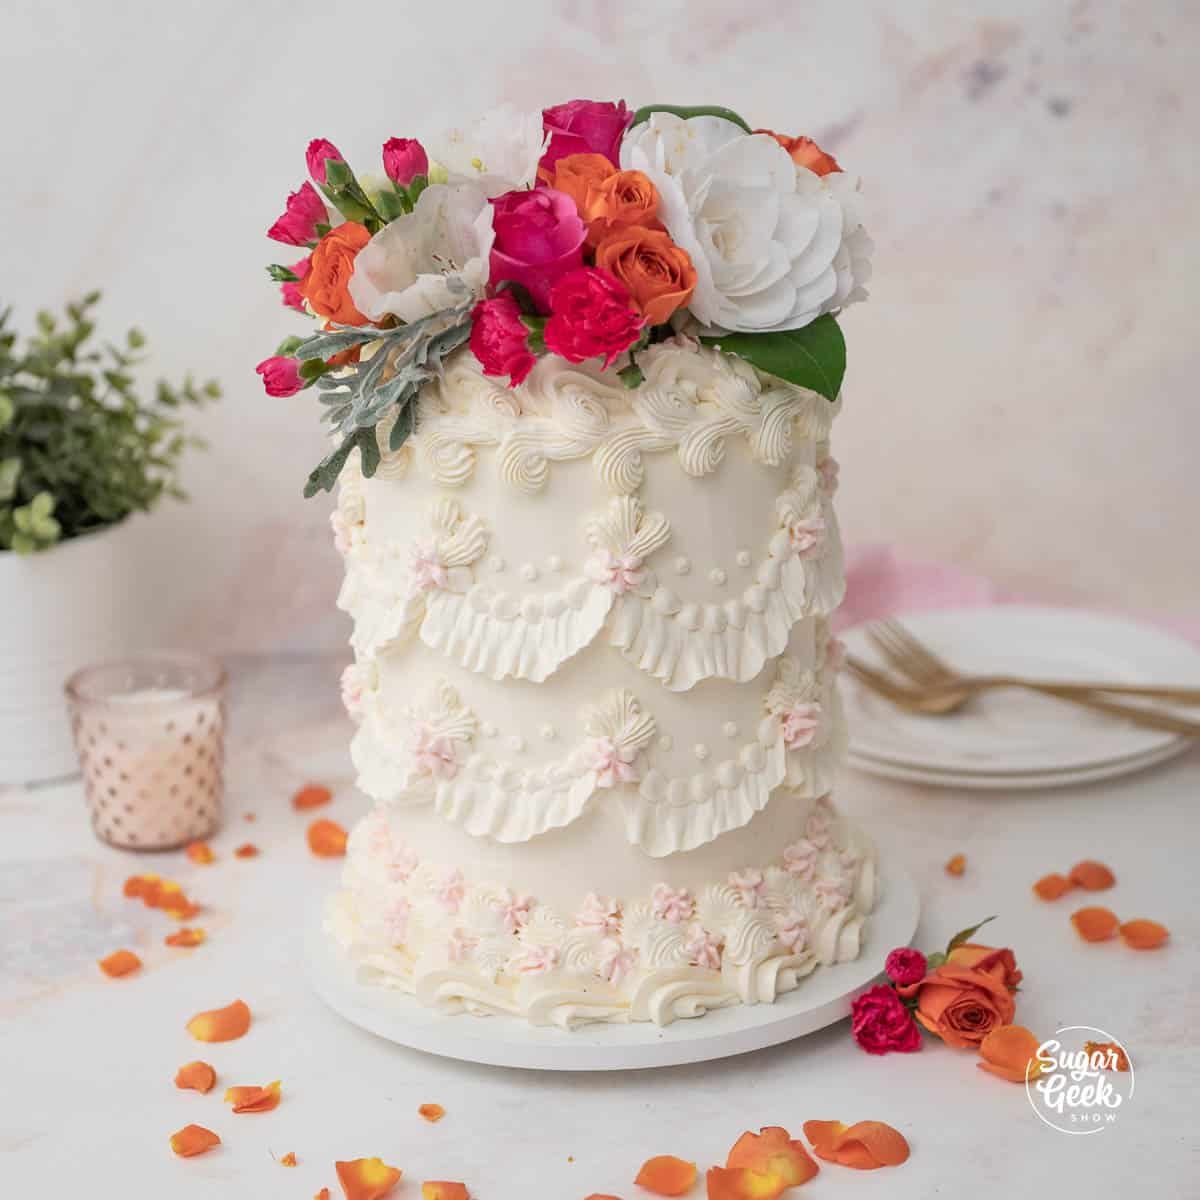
(806, 536)
(792, 930)
(280, 375)
(834, 894)
(354, 688)
(395, 920)
(800, 724)
(379, 837)
(669, 904)
(537, 960)
(305, 210)
(621, 573)
(800, 859)
(599, 913)
(829, 469)
(402, 864)
(450, 890)
(319, 152)
(819, 824)
(344, 531)
(403, 160)
(513, 909)
(434, 754)
(614, 961)
(459, 946)
(427, 569)
(750, 886)
(292, 296)
(703, 949)
(613, 765)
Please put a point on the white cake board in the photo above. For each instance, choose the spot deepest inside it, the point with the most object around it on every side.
(821, 999)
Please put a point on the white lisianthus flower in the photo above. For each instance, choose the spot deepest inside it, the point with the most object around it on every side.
(502, 147)
(774, 245)
(406, 268)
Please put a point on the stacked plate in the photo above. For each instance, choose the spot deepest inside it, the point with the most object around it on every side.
(1012, 739)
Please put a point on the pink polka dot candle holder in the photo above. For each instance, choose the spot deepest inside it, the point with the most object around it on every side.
(150, 734)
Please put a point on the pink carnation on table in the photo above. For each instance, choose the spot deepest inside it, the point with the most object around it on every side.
(297, 226)
(592, 316)
(881, 1023)
(403, 160)
(904, 965)
(500, 339)
(319, 152)
(539, 238)
(585, 127)
(280, 375)
(293, 297)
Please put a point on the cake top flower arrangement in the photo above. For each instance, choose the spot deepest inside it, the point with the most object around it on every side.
(586, 231)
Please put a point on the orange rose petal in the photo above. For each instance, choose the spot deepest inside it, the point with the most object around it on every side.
(1095, 924)
(192, 1140)
(246, 850)
(366, 1178)
(1092, 876)
(600, 1196)
(120, 962)
(327, 839)
(1010, 1052)
(666, 1175)
(253, 1099)
(432, 1112)
(742, 1183)
(1112, 1057)
(865, 1145)
(221, 1024)
(185, 937)
(200, 853)
(198, 1076)
(822, 1135)
(1051, 887)
(323, 1194)
(772, 1151)
(957, 865)
(441, 1189)
(1141, 934)
(312, 795)
(289, 1159)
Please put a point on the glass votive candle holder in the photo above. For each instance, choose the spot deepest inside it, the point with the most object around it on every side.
(150, 737)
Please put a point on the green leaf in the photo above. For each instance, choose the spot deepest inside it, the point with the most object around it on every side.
(965, 935)
(10, 471)
(687, 111)
(391, 204)
(282, 274)
(288, 346)
(402, 428)
(337, 173)
(368, 447)
(935, 960)
(631, 376)
(325, 474)
(813, 357)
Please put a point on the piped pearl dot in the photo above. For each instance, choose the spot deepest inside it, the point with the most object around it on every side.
(496, 563)
(488, 729)
(666, 742)
(554, 563)
(717, 575)
(516, 742)
(730, 729)
(529, 572)
(700, 750)
(548, 732)
(682, 565)
(743, 558)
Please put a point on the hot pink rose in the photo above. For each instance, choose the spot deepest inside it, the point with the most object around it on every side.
(592, 316)
(293, 297)
(585, 127)
(500, 340)
(280, 375)
(539, 239)
(319, 152)
(880, 1022)
(298, 224)
(905, 965)
(404, 159)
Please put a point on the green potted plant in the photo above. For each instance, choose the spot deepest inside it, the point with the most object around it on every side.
(81, 449)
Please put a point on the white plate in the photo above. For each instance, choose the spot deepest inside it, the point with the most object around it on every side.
(821, 999)
(1013, 732)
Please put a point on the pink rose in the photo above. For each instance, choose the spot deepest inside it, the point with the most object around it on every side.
(318, 154)
(500, 340)
(297, 226)
(293, 297)
(592, 316)
(539, 238)
(905, 965)
(585, 127)
(404, 159)
(880, 1022)
(280, 375)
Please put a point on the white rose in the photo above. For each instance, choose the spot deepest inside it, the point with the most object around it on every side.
(406, 267)
(773, 244)
(503, 148)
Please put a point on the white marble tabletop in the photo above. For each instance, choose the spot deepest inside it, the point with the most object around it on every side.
(87, 1101)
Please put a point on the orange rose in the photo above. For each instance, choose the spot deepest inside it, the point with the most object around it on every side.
(329, 270)
(968, 996)
(805, 152)
(658, 273)
(624, 199)
(578, 175)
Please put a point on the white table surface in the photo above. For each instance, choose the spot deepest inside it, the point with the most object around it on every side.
(87, 1101)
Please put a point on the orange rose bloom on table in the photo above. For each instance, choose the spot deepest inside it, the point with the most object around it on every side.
(329, 270)
(964, 998)
(658, 273)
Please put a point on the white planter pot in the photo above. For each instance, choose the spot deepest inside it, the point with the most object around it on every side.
(59, 610)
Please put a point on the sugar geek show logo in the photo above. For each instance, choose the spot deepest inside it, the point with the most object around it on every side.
(1080, 1081)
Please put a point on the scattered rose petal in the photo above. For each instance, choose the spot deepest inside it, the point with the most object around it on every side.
(185, 937)
(772, 1151)
(1010, 1052)
(327, 839)
(864, 1145)
(250, 817)
(1051, 887)
(432, 1112)
(323, 1194)
(441, 1189)
(1092, 876)
(200, 853)
(120, 962)
(1112, 1057)
(198, 1076)
(246, 850)
(957, 865)
(666, 1175)
(253, 1099)
(192, 1140)
(366, 1178)
(142, 887)
(742, 1183)
(1141, 934)
(289, 1159)
(598, 1195)
(221, 1024)
(1095, 924)
(312, 795)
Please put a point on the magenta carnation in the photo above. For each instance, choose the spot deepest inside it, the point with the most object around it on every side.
(304, 212)
(280, 375)
(880, 1022)
(539, 238)
(592, 316)
(905, 965)
(585, 127)
(500, 340)
(319, 152)
(403, 160)
(293, 297)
